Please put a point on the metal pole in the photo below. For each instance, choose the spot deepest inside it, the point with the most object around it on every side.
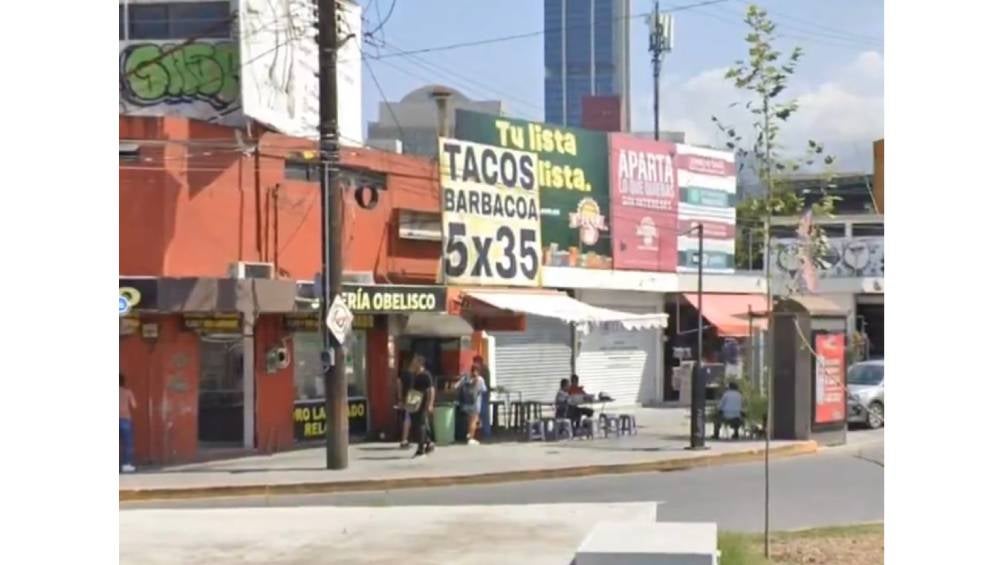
(656, 46)
(697, 388)
(335, 389)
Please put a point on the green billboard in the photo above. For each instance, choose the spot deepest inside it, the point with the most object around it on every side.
(573, 175)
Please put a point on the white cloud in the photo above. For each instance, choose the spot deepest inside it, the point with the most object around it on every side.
(844, 112)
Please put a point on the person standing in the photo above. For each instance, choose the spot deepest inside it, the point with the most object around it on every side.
(472, 390)
(127, 403)
(485, 413)
(419, 402)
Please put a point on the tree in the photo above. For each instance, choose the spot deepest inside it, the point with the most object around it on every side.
(764, 77)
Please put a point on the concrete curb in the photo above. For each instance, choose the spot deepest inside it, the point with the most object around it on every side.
(332, 487)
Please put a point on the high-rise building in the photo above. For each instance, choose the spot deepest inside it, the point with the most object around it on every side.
(585, 54)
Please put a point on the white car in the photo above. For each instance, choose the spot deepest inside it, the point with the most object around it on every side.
(866, 394)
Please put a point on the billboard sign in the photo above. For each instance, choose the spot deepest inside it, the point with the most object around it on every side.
(643, 201)
(491, 215)
(572, 173)
(707, 186)
(279, 67)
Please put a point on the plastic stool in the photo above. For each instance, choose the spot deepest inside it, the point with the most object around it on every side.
(627, 424)
(588, 428)
(536, 430)
(563, 428)
(610, 424)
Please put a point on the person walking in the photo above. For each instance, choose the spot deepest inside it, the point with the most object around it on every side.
(127, 403)
(403, 384)
(419, 401)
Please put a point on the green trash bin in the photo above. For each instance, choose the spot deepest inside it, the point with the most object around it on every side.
(443, 423)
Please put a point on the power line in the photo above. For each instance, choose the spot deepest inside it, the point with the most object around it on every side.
(384, 21)
(433, 68)
(526, 35)
(835, 31)
(383, 96)
(822, 40)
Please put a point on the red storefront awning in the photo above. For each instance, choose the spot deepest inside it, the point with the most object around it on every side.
(729, 313)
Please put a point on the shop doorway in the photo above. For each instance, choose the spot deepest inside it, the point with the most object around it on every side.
(221, 391)
(870, 322)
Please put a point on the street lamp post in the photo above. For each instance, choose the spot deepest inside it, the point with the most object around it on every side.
(697, 388)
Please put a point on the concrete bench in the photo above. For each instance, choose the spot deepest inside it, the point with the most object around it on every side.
(644, 543)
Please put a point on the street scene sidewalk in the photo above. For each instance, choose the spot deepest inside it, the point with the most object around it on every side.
(660, 444)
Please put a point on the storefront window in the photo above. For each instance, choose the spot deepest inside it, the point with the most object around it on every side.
(310, 379)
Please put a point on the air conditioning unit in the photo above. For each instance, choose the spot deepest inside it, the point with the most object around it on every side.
(249, 270)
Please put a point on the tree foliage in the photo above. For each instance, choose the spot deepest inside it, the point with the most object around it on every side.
(763, 78)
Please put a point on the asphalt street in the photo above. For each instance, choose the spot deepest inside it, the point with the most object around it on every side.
(837, 486)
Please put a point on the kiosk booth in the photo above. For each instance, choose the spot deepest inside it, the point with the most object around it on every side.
(810, 371)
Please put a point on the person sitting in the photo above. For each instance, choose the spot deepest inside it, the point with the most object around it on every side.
(562, 400)
(730, 411)
(578, 394)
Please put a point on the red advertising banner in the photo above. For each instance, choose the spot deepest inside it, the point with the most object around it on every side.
(831, 398)
(706, 165)
(644, 200)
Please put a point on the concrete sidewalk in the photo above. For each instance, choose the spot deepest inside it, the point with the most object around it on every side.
(417, 535)
(659, 446)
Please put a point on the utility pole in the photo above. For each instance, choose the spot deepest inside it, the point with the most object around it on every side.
(333, 356)
(660, 41)
(698, 391)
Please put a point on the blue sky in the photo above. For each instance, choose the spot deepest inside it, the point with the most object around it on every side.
(839, 84)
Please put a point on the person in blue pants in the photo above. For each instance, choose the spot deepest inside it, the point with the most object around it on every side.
(486, 424)
(127, 403)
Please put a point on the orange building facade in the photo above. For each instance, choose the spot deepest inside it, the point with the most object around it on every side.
(213, 359)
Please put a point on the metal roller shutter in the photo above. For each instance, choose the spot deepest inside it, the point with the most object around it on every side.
(535, 360)
(624, 364)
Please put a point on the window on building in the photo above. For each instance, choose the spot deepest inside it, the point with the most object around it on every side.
(868, 229)
(834, 230)
(308, 375)
(302, 170)
(177, 20)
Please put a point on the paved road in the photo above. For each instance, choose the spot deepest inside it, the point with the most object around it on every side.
(837, 486)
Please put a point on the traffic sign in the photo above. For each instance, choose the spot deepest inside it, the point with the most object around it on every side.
(339, 319)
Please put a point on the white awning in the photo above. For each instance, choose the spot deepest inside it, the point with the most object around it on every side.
(567, 309)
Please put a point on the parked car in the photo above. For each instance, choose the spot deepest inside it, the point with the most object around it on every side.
(866, 394)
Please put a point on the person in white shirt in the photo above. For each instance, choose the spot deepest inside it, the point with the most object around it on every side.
(730, 410)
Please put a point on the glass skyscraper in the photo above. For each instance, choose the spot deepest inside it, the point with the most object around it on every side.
(585, 53)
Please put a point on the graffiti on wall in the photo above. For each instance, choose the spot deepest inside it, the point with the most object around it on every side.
(198, 80)
(846, 257)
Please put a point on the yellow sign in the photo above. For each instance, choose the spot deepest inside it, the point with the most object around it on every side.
(491, 214)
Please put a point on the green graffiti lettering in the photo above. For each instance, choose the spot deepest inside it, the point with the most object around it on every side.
(165, 74)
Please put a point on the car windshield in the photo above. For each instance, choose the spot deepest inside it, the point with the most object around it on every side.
(866, 375)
